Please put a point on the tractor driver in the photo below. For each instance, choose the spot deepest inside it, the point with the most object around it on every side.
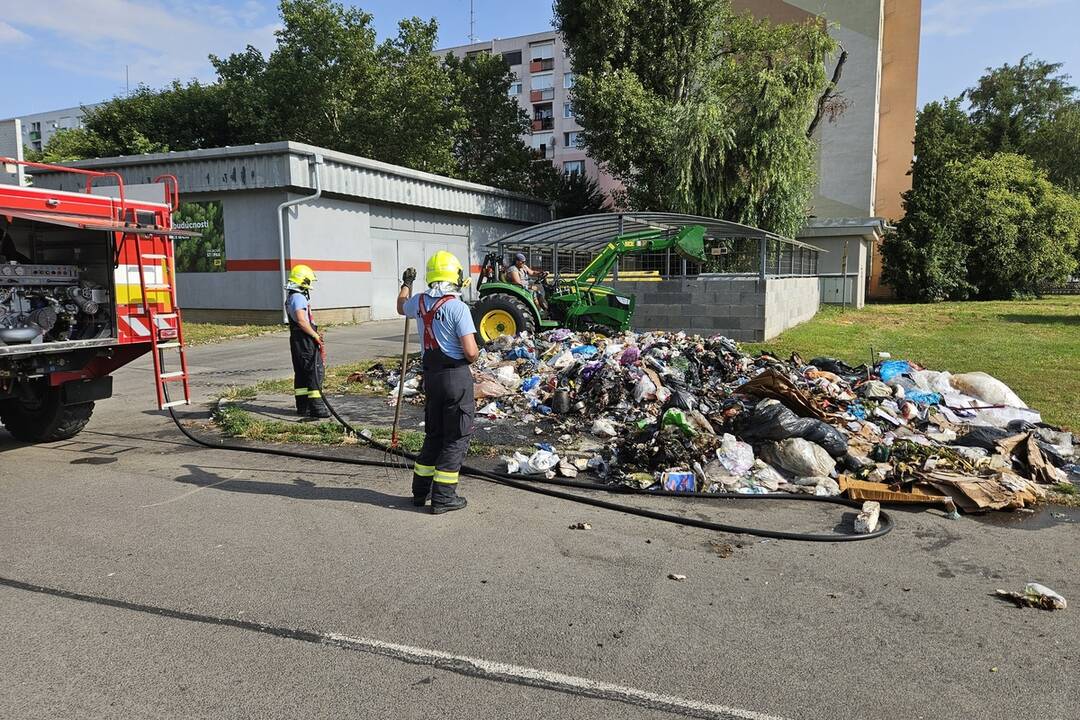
(520, 273)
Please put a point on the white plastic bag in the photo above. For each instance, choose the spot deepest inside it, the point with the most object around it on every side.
(645, 389)
(563, 360)
(736, 456)
(540, 462)
(602, 427)
(986, 388)
(507, 377)
(764, 475)
(799, 457)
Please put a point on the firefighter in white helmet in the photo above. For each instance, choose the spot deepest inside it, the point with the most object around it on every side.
(305, 344)
(447, 336)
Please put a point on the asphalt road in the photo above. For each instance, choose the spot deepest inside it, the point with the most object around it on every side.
(143, 577)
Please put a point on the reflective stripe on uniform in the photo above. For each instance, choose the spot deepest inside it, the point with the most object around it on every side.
(423, 470)
(446, 478)
(315, 394)
(300, 391)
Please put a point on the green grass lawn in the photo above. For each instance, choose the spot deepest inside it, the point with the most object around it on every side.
(1033, 346)
(196, 333)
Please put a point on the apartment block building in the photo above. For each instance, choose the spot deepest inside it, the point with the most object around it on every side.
(543, 80)
(38, 129)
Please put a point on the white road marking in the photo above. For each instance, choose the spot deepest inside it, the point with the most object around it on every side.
(505, 672)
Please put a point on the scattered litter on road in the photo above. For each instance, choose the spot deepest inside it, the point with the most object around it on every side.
(581, 526)
(676, 577)
(1035, 595)
(867, 520)
(665, 411)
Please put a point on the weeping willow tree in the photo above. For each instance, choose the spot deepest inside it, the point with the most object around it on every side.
(707, 111)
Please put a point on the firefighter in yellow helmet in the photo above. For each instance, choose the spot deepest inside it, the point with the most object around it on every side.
(305, 344)
(447, 336)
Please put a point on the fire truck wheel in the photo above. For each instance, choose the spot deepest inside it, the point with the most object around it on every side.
(46, 419)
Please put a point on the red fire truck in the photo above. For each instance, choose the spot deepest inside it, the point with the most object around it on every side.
(87, 285)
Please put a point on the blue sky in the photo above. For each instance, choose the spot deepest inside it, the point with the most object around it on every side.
(60, 53)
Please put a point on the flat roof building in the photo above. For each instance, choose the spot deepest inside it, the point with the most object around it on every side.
(38, 128)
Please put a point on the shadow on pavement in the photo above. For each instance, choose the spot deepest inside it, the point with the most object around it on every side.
(298, 490)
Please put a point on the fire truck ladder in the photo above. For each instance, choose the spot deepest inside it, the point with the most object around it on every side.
(163, 336)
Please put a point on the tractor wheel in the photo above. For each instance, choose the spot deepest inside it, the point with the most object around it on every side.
(502, 314)
(45, 419)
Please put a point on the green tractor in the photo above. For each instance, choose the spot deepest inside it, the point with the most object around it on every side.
(579, 303)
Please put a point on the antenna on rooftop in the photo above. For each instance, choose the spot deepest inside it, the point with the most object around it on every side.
(472, 22)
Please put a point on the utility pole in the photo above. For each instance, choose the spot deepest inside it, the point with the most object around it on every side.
(127, 81)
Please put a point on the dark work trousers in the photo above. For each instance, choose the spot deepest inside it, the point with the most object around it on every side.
(448, 424)
(307, 367)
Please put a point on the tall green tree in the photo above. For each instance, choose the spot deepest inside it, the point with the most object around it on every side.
(705, 112)
(415, 110)
(315, 86)
(67, 146)
(923, 261)
(488, 147)
(178, 117)
(1010, 103)
(577, 194)
(988, 228)
(1055, 147)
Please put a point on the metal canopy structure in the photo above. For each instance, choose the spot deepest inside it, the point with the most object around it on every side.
(591, 232)
(746, 250)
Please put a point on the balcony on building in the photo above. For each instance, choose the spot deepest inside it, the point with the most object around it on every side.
(542, 65)
(543, 118)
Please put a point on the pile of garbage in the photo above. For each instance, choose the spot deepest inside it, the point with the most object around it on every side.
(683, 413)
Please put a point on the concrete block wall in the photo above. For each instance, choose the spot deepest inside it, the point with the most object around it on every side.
(742, 308)
(789, 302)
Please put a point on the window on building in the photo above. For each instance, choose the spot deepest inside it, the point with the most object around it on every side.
(574, 167)
(542, 51)
(512, 57)
(568, 80)
(515, 89)
(475, 53)
(572, 139)
(543, 82)
(567, 110)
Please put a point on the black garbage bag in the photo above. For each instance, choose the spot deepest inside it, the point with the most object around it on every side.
(773, 421)
(839, 367)
(984, 437)
(681, 399)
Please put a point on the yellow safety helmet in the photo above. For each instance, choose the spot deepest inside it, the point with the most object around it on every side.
(302, 276)
(444, 267)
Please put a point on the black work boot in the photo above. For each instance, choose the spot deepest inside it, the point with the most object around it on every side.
(302, 405)
(421, 490)
(317, 408)
(444, 498)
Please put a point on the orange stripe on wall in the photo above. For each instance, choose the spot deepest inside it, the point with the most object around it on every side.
(476, 268)
(273, 265)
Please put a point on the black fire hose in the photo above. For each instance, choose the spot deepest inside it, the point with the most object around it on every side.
(537, 486)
